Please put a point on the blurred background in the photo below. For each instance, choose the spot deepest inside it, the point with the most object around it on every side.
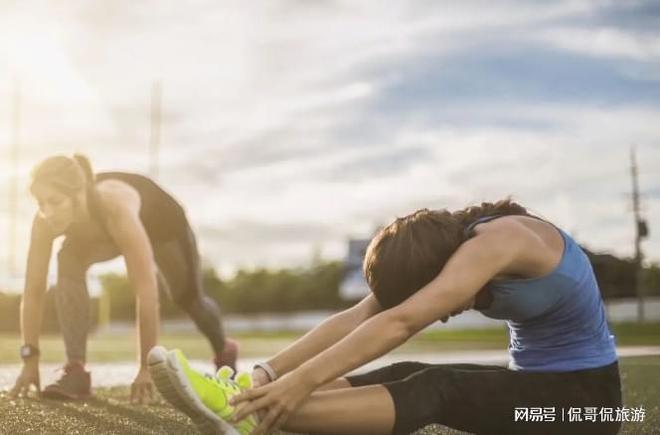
(292, 130)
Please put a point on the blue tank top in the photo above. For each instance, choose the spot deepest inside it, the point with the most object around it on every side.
(556, 322)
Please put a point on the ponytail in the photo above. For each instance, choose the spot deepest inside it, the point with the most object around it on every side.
(85, 166)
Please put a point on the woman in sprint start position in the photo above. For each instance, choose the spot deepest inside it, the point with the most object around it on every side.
(102, 216)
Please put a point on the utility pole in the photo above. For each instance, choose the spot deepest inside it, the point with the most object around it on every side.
(13, 182)
(154, 136)
(641, 232)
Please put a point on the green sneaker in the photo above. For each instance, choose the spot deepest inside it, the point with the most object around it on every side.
(203, 398)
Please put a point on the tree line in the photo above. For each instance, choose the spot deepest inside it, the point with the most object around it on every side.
(315, 287)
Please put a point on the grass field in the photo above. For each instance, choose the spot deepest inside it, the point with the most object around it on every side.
(109, 348)
(111, 413)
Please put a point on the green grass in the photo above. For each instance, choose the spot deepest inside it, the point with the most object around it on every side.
(640, 377)
(111, 413)
(113, 348)
(627, 334)
(110, 348)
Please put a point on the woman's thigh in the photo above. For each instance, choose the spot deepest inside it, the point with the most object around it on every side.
(484, 399)
(178, 263)
(402, 370)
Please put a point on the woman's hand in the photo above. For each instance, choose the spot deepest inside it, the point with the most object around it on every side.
(142, 388)
(277, 400)
(29, 376)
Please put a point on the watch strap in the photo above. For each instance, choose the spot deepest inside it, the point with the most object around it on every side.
(29, 351)
(268, 369)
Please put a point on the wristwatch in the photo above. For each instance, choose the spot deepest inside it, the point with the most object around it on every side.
(28, 351)
(268, 369)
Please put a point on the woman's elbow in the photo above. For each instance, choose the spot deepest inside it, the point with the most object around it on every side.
(400, 328)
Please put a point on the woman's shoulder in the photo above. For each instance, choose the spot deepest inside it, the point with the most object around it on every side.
(541, 243)
(525, 226)
(115, 196)
(512, 224)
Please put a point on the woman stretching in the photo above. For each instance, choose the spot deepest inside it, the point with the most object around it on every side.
(103, 216)
(425, 267)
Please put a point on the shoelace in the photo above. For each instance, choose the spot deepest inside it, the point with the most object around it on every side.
(224, 383)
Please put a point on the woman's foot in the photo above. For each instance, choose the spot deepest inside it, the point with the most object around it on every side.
(74, 384)
(204, 398)
(228, 356)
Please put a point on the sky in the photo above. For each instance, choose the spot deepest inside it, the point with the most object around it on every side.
(291, 126)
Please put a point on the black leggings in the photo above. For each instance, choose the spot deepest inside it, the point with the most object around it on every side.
(481, 399)
(179, 273)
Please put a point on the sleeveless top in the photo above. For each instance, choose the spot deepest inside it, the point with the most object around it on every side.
(162, 216)
(556, 322)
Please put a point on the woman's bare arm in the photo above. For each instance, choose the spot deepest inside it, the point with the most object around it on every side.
(128, 232)
(324, 335)
(41, 245)
(41, 242)
(475, 263)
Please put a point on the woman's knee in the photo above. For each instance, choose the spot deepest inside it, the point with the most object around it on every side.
(70, 266)
(185, 301)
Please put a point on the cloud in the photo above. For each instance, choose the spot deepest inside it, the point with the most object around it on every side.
(640, 16)
(605, 42)
(294, 123)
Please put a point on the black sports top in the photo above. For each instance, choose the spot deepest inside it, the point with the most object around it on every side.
(162, 216)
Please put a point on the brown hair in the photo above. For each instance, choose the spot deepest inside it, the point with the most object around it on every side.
(407, 254)
(66, 174)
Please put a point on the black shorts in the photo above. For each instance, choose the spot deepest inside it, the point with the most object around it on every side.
(482, 399)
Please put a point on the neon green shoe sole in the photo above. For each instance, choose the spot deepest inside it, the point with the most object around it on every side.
(169, 375)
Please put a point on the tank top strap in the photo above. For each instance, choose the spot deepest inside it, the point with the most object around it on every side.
(467, 232)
